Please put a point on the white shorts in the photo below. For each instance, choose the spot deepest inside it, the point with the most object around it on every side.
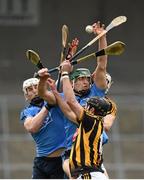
(95, 175)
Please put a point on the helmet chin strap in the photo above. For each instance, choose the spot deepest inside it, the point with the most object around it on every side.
(82, 93)
(37, 101)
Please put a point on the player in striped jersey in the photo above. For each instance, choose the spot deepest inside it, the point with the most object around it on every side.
(86, 154)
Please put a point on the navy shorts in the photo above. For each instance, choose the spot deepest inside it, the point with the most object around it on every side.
(47, 168)
(66, 155)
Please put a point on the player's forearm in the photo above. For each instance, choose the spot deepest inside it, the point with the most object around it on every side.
(61, 103)
(65, 107)
(68, 90)
(34, 124)
(44, 93)
(70, 98)
(102, 60)
(102, 42)
(42, 88)
(108, 122)
(100, 71)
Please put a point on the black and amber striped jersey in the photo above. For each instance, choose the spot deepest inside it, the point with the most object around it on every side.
(113, 109)
(87, 148)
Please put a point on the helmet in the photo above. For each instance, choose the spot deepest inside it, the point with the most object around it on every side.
(101, 105)
(29, 82)
(109, 82)
(80, 72)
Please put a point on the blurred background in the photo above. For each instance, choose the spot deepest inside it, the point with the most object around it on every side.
(35, 24)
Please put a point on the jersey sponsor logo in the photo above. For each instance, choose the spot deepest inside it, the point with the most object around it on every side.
(48, 119)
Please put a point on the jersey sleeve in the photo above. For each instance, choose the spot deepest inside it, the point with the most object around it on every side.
(25, 114)
(113, 109)
(97, 91)
(105, 138)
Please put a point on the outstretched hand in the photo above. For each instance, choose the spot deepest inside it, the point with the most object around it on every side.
(51, 84)
(43, 73)
(66, 66)
(98, 28)
(72, 48)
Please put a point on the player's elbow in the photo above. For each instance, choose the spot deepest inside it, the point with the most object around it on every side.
(32, 130)
(72, 117)
(107, 128)
(108, 122)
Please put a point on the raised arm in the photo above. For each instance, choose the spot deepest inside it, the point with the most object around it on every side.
(43, 87)
(68, 90)
(99, 75)
(33, 124)
(61, 102)
(109, 119)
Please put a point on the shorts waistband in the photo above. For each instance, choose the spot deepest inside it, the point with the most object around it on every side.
(50, 158)
(67, 152)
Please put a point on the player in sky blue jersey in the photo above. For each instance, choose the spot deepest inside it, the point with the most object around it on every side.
(84, 86)
(46, 125)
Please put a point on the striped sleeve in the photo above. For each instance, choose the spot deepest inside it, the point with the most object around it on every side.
(113, 109)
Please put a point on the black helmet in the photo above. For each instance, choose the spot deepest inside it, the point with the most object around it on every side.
(101, 105)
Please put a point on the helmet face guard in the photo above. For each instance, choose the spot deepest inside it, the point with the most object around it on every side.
(29, 82)
(109, 82)
(81, 72)
(101, 105)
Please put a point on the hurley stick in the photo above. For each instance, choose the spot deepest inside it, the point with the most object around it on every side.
(65, 33)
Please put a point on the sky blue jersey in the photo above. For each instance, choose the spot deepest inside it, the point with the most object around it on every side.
(51, 135)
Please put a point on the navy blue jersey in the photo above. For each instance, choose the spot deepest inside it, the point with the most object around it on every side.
(51, 135)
